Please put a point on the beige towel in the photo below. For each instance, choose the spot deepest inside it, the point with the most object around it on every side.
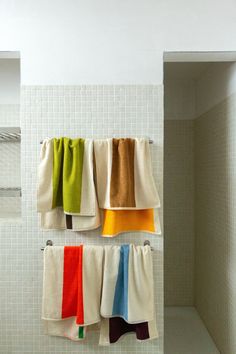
(45, 170)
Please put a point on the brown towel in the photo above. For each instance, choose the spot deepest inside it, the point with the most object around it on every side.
(122, 192)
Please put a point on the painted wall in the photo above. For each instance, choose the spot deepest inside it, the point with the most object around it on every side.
(108, 41)
(9, 81)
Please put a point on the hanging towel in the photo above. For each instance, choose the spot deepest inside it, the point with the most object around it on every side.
(116, 222)
(58, 175)
(128, 283)
(112, 329)
(72, 285)
(45, 171)
(124, 174)
(56, 219)
(67, 174)
(83, 283)
(122, 193)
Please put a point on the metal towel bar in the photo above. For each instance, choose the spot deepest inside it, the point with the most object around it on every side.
(10, 192)
(50, 243)
(10, 134)
(150, 141)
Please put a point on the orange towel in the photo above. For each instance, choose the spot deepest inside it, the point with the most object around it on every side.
(118, 221)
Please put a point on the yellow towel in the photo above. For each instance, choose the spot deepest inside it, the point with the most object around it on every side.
(118, 221)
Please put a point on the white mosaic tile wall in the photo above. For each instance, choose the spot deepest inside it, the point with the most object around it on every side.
(10, 163)
(215, 171)
(88, 111)
(179, 212)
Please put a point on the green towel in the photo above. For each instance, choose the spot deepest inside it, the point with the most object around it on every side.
(67, 174)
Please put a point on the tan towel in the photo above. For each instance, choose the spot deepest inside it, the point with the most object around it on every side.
(122, 193)
(124, 174)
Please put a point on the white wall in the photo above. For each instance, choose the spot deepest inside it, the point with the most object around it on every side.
(9, 81)
(108, 41)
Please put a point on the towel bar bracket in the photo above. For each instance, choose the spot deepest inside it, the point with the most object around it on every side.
(48, 243)
(148, 243)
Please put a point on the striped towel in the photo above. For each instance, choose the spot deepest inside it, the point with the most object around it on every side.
(127, 304)
(66, 185)
(71, 291)
(116, 222)
(94, 287)
(124, 174)
(65, 176)
(128, 283)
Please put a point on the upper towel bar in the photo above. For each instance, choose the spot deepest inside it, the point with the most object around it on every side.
(150, 141)
(50, 243)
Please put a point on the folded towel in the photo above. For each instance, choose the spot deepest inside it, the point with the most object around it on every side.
(65, 328)
(124, 174)
(127, 290)
(65, 177)
(70, 288)
(119, 221)
(56, 219)
(112, 329)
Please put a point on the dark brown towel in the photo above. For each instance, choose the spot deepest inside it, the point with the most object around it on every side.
(122, 193)
(118, 327)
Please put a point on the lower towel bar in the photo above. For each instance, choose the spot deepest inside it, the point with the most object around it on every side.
(50, 243)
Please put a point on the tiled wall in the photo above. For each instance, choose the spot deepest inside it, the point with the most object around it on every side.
(215, 171)
(179, 212)
(88, 111)
(10, 163)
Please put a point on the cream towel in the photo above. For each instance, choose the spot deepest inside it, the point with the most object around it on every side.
(45, 170)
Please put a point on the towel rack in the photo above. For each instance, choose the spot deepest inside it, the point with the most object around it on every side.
(10, 134)
(10, 192)
(50, 243)
(150, 141)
